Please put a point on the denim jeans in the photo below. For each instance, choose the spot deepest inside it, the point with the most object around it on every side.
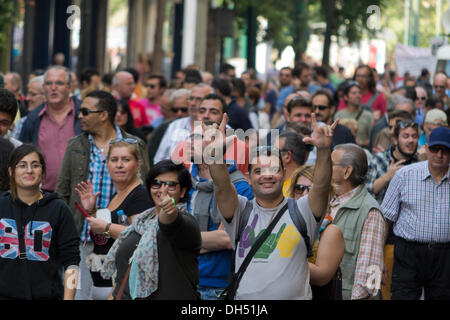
(207, 293)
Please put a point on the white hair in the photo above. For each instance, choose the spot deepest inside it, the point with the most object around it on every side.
(40, 81)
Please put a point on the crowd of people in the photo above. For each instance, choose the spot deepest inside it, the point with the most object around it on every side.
(132, 186)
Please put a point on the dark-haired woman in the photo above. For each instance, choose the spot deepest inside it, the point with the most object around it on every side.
(124, 119)
(38, 235)
(162, 243)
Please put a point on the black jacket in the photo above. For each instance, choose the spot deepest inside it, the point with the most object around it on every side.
(51, 241)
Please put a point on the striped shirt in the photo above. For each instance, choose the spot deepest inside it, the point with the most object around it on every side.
(101, 180)
(370, 255)
(418, 206)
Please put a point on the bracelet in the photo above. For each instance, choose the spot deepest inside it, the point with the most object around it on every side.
(106, 233)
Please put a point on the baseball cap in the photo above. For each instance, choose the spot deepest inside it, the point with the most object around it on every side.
(440, 136)
(436, 116)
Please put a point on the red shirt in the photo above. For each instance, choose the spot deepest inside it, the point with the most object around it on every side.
(378, 104)
(52, 140)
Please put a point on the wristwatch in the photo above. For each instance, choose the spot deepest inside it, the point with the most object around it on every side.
(106, 233)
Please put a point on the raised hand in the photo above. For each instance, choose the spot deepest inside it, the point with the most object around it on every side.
(322, 136)
(216, 140)
(165, 205)
(87, 197)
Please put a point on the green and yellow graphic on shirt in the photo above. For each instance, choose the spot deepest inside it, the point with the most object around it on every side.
(285, 240)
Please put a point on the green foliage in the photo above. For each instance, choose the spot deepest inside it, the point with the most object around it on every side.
(7, 18)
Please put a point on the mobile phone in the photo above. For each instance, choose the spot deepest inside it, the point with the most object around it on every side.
(81, 209)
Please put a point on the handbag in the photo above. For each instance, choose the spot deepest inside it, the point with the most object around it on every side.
(230, 291)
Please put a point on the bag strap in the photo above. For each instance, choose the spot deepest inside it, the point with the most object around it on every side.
(300, 223)
(359, 114)
(257, 245)
(124, 282)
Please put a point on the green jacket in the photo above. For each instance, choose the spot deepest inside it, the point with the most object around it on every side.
(350, 218)
(75, 168)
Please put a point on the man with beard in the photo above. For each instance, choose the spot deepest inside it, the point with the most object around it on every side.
(384, 165)
(382, 168)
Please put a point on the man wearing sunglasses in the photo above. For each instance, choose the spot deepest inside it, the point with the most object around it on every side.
(86, 159)
(420, 104)
(440, 87)
(324, 108)
(54, 123)
(417, 203)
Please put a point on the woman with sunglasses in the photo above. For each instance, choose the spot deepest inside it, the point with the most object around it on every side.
(162, 243)
(130, 199)
(328, 249)
(38, 235)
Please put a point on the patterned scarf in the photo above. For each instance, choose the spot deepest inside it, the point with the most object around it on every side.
(144, 272)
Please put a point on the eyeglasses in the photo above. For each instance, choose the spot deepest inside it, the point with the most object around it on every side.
(421, 98)
(300, 188)
(176, 110)
(321, 107)
(171, 185)
(436, 149)
(25, 166)
(85, 112)
(127, 140)
(439, 87)
(57, 83)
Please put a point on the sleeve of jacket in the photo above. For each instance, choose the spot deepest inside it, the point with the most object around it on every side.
(25, 133)
(67, 238)
(63, 181)
(145, 165)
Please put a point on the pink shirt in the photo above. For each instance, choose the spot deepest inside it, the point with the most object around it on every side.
(153, 111)
(53, 139)
(378, 104)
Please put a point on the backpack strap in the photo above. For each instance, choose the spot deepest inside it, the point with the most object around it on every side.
(369, 104)
(300, 223)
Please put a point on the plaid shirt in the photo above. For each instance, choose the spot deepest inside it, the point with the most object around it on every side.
(370, 253)
(418, 206)
(101, 181)
(378, 166)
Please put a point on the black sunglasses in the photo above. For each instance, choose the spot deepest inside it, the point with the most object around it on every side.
(156, 184)
(176, 110)
(85, 112)
(436, 149)
(321, 107)
(300, 188)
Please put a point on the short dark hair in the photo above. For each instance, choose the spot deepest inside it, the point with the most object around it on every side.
(225, 67)
(214, 96)
(433, 101)
(193, 76)
(294, 143)
(239, 86)
(264, 150)
(106, 102)
(403, 124)
(299, 68)
(298, 101)
(222, 85)
(6, 148)
(321, 71)
(18, 154)
(184, 177)
(107, 78)
(87, 74)
(324, 92)
(161, 78)
(403, 114)
(8, 103)
(349, 85)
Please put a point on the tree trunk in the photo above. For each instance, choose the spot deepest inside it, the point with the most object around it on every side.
(330, 9)
(158, 55)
